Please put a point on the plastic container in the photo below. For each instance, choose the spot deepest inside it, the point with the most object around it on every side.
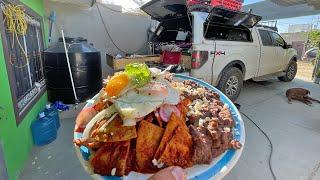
(85, 64)
(171, 57)
(235, 5)
(44, 130)
(52, 112)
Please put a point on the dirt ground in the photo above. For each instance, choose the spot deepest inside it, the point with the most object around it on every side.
(305, 70)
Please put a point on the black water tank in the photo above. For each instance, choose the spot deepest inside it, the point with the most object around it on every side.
(85, 62)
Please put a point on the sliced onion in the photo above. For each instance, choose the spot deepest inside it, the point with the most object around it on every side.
(102, 114)
(106, 124)
(166, 110)
(129, 122)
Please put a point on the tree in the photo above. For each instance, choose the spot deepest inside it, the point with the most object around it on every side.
(314, 37)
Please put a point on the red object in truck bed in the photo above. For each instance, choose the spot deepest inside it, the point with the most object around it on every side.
(171, 57)
(235, 5)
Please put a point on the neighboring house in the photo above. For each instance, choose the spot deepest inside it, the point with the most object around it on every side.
(298, 41)
(297, 36)
(22, 92)
(300, 47)
(294, 28)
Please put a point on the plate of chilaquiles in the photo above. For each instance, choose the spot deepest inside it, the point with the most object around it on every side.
(145, 120)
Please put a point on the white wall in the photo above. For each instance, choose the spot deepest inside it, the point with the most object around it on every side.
(129, 31)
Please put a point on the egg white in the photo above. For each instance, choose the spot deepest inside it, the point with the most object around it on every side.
(137, 103)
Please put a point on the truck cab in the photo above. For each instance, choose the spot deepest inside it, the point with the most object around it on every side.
(226, 48)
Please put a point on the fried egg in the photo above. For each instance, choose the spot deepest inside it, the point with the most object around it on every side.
(139, 102)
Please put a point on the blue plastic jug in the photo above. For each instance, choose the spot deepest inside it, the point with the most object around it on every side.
(44, 130)
(52, 112)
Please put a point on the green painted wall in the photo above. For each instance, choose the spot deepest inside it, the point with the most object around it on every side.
(17, 140)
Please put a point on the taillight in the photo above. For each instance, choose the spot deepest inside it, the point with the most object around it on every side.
(199, 58)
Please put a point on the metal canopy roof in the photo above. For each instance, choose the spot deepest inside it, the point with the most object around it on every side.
(268, 9)
(279, 9)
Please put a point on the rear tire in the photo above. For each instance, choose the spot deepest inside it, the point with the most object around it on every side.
(291, 72)
(231, 83)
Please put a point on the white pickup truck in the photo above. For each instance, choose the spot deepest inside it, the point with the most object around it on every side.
(226, 46)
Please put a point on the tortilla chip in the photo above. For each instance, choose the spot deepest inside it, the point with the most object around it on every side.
(172, 125)
(178, 151)
(111, 157)
(113, 132)
(183, 108)
(131, 161)
(149, 136)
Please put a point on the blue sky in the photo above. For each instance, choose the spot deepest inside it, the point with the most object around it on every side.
(251, 1)
(284, 23)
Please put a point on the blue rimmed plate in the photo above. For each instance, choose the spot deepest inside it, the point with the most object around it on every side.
(218, 168)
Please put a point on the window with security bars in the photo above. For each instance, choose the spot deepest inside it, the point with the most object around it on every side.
(24, 61)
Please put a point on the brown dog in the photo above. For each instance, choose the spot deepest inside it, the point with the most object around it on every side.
(301, 95)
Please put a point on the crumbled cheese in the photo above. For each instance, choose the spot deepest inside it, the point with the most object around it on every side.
(198, 113)
(113, 171)
(157, 164)
(200, 91)
(201, 122)
(207, 119)
(227, 129)
(198, 105)
(205, 100)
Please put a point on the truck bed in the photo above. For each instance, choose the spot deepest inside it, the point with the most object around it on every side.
(119, 64)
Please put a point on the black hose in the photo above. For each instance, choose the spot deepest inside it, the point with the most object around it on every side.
(271, 145)
(109, 35)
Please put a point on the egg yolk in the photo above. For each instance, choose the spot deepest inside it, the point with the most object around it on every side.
(116, 84)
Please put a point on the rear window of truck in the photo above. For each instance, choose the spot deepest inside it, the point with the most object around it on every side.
(218, 32)
(265, 38)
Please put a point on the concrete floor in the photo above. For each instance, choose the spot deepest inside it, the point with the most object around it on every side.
(294, 130)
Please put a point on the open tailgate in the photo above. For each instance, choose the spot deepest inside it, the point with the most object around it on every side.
(162, 9)
(159, 9)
